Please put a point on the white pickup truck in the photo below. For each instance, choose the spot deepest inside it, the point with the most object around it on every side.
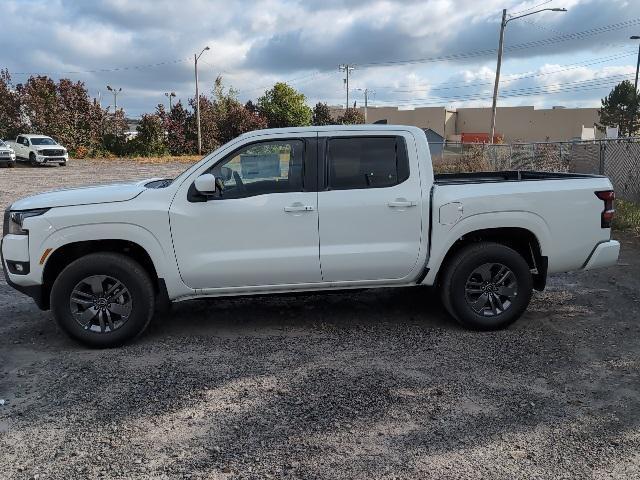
(39, 150)
(7, 155)
(305, 209)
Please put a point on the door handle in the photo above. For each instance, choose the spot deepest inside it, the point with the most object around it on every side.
(401, 204)
(299, 208)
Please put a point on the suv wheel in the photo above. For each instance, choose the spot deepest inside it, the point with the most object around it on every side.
(32, 159)
(487, 286)
(103, 299)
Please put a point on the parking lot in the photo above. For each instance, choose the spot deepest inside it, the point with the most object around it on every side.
(373, 384)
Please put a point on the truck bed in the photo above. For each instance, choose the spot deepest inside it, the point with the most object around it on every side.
(504, 176)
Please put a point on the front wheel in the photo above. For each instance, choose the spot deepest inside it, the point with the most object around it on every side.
(487, 286)
(32, 160)
(103, 299)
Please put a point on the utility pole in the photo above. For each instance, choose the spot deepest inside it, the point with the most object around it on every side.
(345, 67)
(503, 25)
(169, 95)
(494, 103)
(115, 96)
(635, 90)
(366, 92)
(195, 61)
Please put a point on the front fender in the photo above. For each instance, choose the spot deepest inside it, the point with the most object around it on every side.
(163, 260)
(445, 236)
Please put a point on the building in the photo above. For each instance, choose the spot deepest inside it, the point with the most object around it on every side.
(513, 124)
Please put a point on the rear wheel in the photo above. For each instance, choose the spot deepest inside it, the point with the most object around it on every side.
(103, 299)
(487, 286)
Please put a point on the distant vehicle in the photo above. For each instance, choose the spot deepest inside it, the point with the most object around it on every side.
(7, 155)
(305, 209)
(39, 150)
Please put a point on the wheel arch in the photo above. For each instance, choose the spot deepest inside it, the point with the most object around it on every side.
(67, 253)
(530, 240)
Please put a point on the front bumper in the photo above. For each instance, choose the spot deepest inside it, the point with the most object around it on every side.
(36, 292)
(604, 255)
(45, 159)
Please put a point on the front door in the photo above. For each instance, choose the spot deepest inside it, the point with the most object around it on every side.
(262, 228)
(370, 207)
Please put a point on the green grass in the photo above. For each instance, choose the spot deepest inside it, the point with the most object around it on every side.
(627, 216)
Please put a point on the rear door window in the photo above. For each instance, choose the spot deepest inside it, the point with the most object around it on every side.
(366, 162)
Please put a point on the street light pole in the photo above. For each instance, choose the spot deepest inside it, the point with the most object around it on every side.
(195, 58)
(503, 25)
(115, 96)
(170, 95)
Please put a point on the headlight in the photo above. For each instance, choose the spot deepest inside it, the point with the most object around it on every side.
(14, 220)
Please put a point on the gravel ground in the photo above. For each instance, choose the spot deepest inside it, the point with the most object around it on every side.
(377, 384)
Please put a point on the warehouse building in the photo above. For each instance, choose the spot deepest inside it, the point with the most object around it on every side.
(513, 124)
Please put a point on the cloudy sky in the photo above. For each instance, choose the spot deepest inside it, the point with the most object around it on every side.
(410, 53)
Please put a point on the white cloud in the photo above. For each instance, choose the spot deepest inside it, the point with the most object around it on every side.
(254, 44)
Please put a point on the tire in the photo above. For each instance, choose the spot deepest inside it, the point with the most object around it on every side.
(63, 164)
(92, 318)
(486, 286)
(32, 160)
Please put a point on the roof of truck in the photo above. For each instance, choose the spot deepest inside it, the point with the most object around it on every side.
(334, 128)
(33, 135)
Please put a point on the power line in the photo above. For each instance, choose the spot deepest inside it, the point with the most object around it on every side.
(511, 78)
(584, 85)
(531, 8)
(103, 70)
(492, 51)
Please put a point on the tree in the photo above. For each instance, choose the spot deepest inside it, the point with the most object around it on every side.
(351, 116)
(150, 140)
(114, 136)
(12, 121)
(621, 108)
(39, 97)
(283, 106)
(322, 115)
(208, 124)
(179, 125)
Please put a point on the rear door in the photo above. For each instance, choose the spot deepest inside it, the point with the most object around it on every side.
(19, 146)
(369, 204)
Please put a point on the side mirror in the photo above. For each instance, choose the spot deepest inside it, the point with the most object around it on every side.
(206, 184)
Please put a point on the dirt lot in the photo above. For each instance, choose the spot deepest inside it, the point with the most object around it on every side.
(377, 384)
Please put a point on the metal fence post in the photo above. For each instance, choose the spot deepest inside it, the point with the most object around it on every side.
(603, 148)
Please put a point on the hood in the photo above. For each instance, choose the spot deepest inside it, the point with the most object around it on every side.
(119, 192)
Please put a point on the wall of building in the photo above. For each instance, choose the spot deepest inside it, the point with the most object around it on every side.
(527, 124)
(514, 124)
(425, 117)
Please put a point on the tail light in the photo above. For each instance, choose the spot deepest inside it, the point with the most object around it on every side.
(608, 197)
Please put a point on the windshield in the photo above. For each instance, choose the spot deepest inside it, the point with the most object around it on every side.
(42, 141)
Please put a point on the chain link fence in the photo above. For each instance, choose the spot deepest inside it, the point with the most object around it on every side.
(618, 159)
